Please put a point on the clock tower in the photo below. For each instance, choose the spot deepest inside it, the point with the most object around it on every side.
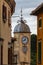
(22, 45)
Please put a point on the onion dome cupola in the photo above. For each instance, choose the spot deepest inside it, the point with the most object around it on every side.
(21, 27)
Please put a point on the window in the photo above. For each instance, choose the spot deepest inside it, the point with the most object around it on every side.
(9, 21)
(15, 60)
(39, 52)
(4, 13)
(40, 22)
(1, 54)
(24, 49)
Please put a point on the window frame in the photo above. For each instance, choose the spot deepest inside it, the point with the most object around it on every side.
(40, 26)
(9, 18)
(4, 13)
(15, 59)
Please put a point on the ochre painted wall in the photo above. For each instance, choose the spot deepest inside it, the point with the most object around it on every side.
(40, 36)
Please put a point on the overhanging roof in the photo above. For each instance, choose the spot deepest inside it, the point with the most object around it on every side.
(38, 10)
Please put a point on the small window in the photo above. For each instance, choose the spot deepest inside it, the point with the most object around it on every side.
(9, 20)
(39, 52)
(15, 60)
(24, 49)
(40, 22)
(4, 13)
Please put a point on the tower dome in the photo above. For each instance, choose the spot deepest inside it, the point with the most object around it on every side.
(21, 27)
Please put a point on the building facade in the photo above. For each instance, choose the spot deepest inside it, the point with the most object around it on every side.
(6, 10)
(22, 44)
(39, 13)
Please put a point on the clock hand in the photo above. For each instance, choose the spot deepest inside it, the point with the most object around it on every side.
(24, 39)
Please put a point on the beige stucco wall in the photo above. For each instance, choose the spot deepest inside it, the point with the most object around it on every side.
(5, 32)
(18, 48)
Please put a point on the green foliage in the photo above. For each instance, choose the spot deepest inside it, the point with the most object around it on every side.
(33, 43)
(33, 49)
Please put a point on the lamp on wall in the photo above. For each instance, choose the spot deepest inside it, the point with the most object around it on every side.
(13, 40)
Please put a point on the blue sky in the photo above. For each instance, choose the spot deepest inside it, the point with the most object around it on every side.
(27, 6)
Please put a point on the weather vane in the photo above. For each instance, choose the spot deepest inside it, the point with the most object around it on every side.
(21, 14)
(21, 18)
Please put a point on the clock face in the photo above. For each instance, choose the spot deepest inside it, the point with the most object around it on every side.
(24, 40)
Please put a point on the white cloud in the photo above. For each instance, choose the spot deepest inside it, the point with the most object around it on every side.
(28, 6)
(28, 3)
